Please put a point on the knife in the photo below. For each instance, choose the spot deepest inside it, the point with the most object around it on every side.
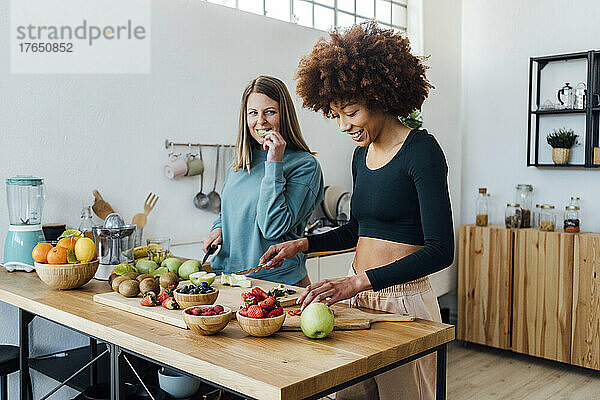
(251, 270)
(210, 251)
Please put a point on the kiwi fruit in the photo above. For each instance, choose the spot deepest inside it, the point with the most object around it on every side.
(129, 288)
(141, 277)
(117, 281)
(132, 275)
(149, 285)
(168, 279)
(111, 278)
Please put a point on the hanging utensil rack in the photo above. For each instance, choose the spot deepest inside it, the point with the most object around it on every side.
(170, 143)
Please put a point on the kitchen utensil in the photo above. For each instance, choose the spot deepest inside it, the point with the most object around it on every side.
(580, 96)
(66, 276)
(566, 96)
(201, 200)
(210, 251)
(213, 197)
(251, 270)
(100, 207)
(113, 220)
(176, 167)
(177, 385)
(347, 318)
(25, 202)
(114, 244)
(140, 219)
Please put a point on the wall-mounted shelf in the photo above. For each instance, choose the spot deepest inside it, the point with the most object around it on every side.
(588, 118)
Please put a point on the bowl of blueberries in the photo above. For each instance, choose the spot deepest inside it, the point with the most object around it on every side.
(196, 295)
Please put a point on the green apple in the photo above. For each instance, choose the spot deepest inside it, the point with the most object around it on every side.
(316, 321)
(144, 266)
(202, 276)
(159, 271)
(188, 268)
(172, 264)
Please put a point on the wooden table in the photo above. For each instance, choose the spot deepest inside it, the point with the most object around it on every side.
(287, 365)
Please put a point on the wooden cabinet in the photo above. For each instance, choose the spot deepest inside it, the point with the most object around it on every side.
(543, 293)
(533, 292)
(585, 347)
(484, 285)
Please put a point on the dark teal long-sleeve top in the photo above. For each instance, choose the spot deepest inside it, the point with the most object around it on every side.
(404, 201)
(270, 205)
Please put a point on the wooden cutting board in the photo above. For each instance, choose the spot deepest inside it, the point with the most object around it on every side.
(228, 296)
(349, 318)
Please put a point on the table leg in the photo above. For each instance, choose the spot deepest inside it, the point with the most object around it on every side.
(24, 379)
(114, 371)
(441, 373)
(93, 367)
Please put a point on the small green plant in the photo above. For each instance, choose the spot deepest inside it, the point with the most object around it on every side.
(413, 120)
(562, 138)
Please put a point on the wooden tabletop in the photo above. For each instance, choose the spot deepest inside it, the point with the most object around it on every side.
(287, 365)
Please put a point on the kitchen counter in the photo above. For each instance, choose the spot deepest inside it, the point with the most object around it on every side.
(287, 365)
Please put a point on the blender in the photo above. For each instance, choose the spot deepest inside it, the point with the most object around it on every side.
(114, 244)
(25, 201)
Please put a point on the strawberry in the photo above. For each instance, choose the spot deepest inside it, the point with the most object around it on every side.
(149, 299)
(268, 303)
(166, 293)
(259, 293)
(195, 311)
(276, 312)
(170, 304)
(243, 312)
(245, 295)
(255, 311)
(250, 301)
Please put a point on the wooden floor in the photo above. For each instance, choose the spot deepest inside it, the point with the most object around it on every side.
(481, 373)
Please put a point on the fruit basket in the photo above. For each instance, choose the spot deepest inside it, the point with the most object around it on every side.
(260, 327)
(207, 325)
(66, 276)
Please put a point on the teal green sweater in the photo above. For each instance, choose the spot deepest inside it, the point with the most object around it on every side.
(268, 206)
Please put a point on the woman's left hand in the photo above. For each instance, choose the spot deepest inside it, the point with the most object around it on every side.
(275, 146)
(331, 291)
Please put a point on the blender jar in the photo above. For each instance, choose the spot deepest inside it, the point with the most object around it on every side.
(25, 200)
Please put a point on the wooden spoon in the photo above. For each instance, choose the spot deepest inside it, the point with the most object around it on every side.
(100, 207)
(140, 219)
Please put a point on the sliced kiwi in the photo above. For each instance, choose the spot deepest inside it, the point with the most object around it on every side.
(149, 285)
(129, 288)
(141, 277)
(117, 281)
(168, 279)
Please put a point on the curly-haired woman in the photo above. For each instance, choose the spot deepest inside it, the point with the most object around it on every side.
(401, 219)
(272, 187)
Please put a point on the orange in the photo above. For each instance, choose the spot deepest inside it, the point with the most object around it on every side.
(67, 242)
(57, 255)
(40, 251)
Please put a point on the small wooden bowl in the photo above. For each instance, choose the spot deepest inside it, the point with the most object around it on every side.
(188, 300)
(66, 276)
(260, 327)
(207, 325)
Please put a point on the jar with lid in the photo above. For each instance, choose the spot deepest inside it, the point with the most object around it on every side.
(524, 197)
(575, 201)
(547, 218)
(571, 223)
(85, 223)
(512, 216)
(535, 218)
(482, 208)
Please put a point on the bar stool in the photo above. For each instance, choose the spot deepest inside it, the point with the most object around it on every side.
(9, 363)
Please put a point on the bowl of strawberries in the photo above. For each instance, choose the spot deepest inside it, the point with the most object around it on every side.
(260, 315)
(207, 319)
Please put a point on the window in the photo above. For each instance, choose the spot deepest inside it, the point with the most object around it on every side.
(326, 14)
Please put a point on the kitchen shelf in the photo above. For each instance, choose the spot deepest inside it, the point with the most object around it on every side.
(589, 113)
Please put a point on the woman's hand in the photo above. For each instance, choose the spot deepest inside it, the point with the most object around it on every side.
(212, 240)
(331, 291)
(277, 253)
(275, 146)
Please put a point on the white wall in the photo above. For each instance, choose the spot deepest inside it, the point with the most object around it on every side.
(82, 132)
(498, 37)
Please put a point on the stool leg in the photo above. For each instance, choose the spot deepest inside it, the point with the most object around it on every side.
(3, 388)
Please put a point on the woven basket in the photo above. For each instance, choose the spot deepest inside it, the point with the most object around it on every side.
(561, 156)
(66, 276)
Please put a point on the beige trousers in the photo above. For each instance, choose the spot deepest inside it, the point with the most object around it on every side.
(411, 381)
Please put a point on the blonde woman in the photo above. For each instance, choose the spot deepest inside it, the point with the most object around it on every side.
(271, 189)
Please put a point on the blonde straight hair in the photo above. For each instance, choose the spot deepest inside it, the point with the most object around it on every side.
(276, 90)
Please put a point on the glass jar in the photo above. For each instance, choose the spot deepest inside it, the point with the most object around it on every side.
(85, 223)
(524, 197)
(571, 223)
(575, 201)
(535, 218)
(482, 208)
(512, 216)
(547, 218)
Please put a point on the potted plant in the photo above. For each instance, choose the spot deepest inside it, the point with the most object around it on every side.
(561, 141)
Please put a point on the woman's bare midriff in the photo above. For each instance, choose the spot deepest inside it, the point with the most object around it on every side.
(372, 253)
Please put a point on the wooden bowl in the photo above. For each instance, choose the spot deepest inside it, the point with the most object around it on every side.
(207, 325)
(188, 300)
(260, 327)
(66, 276)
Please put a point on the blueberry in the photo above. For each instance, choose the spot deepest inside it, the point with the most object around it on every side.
(204, 284)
